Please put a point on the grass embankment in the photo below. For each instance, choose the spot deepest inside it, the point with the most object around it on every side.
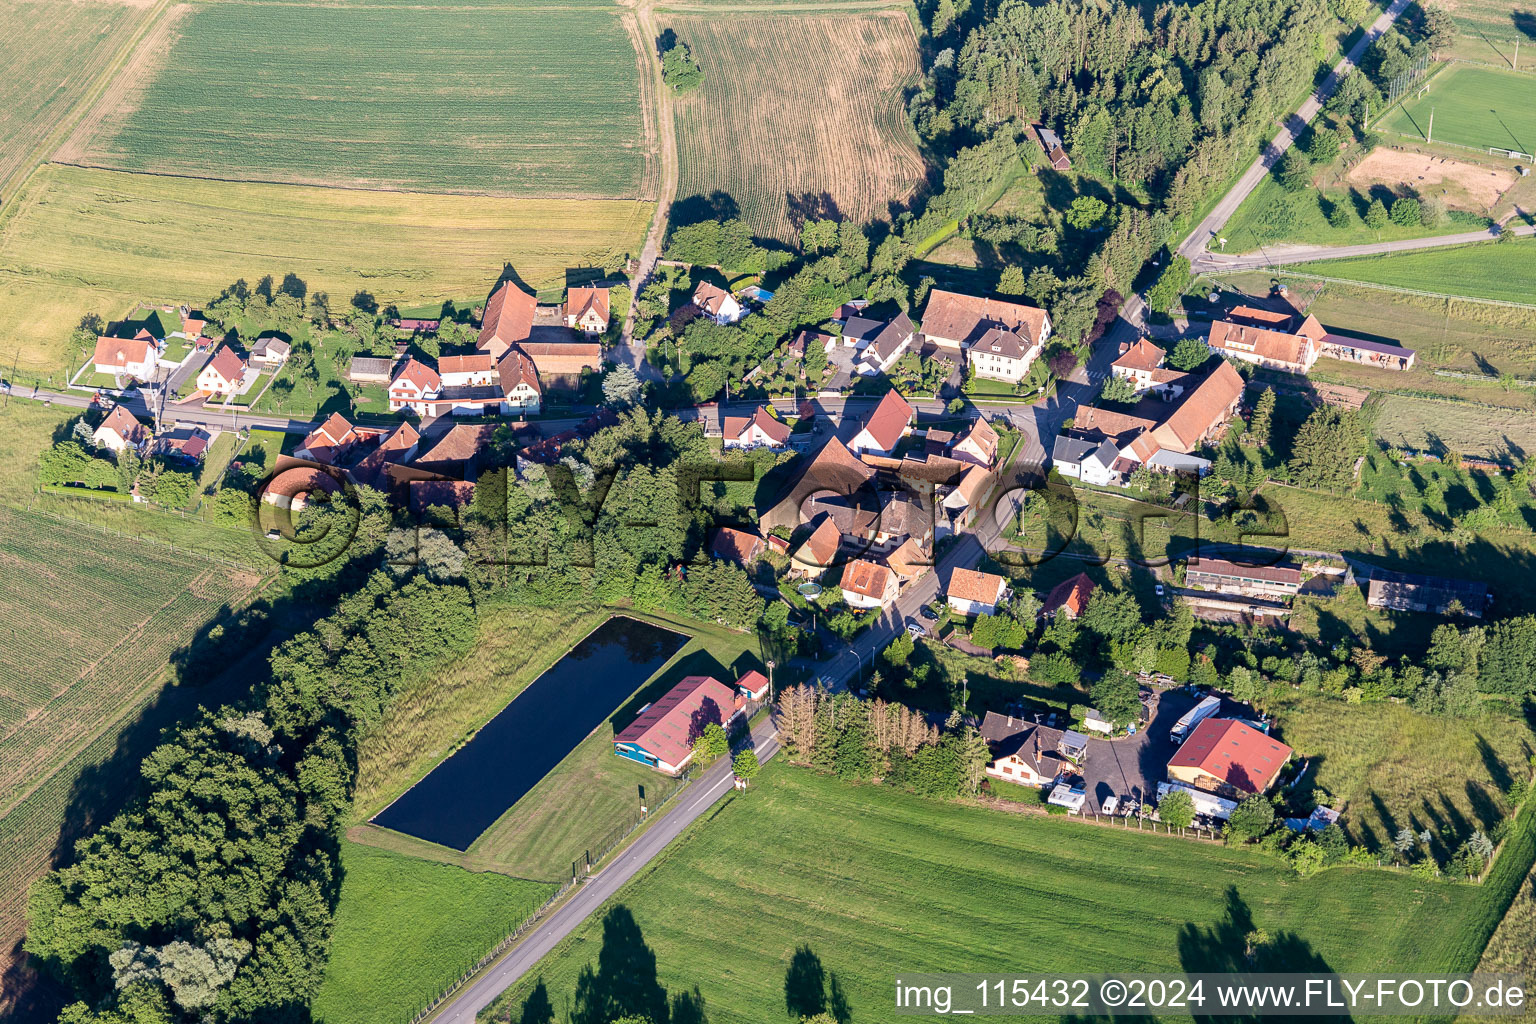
(75, 245)
(590, 798)
(406, 929)
(876, 881)
(1260, 221)
(1503, 271)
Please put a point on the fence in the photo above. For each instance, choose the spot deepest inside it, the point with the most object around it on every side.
(1284, 272)
(580, 871)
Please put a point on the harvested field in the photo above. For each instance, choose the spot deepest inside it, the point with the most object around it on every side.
(501, 102)
(1461, 182)
(772, 160)
(85, 240)
(42, 83)
(1426, 424)
(1473, 106)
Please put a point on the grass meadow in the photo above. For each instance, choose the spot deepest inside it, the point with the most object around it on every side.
(497, 101)
(1487, 30)
(1503, 271)
(590, 797)
(406, 929)
(857, 153)
(1473, 106)
(43, 83)
(87, 240)
(1439, 425)
(876, 882)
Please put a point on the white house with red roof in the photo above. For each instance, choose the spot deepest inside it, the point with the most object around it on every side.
(329, 442)
(128, 357)
(717, 304)
(760, 430)
(416, 388)
(120, 429)
(886, 426)
(662, 736)
(867, 584)
(587, 309)
(972, 592)
(224, 373)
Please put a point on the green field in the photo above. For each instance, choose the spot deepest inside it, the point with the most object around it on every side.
(405, 929)
(1257, 221)
(42, 83)
(745, 131)
(1503, 271)
(1486, 30)
(876, 882)
(1473, 106)
(1434, 425)
(504, 102)
(81, 241)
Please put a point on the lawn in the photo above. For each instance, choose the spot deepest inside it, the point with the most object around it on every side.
(1503, 271)
(496, 101)
(1439, 426)
(43, 83)
(588, 799)
(877, 882)
(75, 245)
(772, 162)
(1478, 107)
(1393, 767)
(406, 929)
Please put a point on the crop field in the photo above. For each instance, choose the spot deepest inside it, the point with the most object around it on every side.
(42, 83)
(87, 624)
(1473, 106)
(1427, 424)
(86, 240)
(872, 880)
(405, 929)
(1487, 29)
(769, 157)
(1502, 271)
(502, 102)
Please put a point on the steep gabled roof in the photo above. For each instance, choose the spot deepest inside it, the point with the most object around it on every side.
(735, 545)
(982, 436)
(516, 368)
(1276, 346)
(710, 298)
(865, 578)
(122, 351)
(124, 424)
(227, 364)
(1142, 355)
(414, 371)
(889, 421)
(1203, 408)
(580, 301)
(972, 585)
(459, 445)
(820, 548)
(1070, 594)
(777, 430)
(508, 318)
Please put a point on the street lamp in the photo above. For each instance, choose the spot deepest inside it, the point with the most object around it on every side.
(770, 680)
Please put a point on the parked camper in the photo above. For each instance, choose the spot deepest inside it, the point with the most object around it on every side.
(1193, 717)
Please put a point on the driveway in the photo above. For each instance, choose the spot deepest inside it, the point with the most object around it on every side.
(1133, 765)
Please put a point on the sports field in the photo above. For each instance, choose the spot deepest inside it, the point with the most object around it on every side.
(767, 155)
(87, 240)
(42, 83)
(405, 929)
(876, 882)
(497, 101)
(1473, 106)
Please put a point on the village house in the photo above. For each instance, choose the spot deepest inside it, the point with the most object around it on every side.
(663, 734)
(977, 445)
(124, 358)
(507, 321)
(1159, 432)
(860, 330)
(972, 327)
(1141, 363)
(1050, 144)
(733, 545)
(963, 501)
(887, 346)
(1069, 597)
(717, 304)
(890, 421)
(1024, 752)
(1264, 338)
(328, 443)
(1228, 758)
(587, 309)
(1407, 592)
(818, 552)
(1250, 581)
(415, 388)
(760, 430)
(185, 444)
(1092, 462)
(224, 372)
(120, 429)
(976, 593)
(867, 584)
(270, 352)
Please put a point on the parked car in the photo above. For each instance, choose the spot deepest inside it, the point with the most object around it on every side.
(927, 613)
(1159, 590)
(916, 628)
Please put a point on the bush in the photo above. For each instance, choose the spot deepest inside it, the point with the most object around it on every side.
(1293, 172)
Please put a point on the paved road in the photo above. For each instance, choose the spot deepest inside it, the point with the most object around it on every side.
(1193, 246)
(698, 798)
(1277, 255)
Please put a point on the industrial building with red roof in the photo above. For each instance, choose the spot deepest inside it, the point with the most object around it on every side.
(662, 736)
(1228, 758)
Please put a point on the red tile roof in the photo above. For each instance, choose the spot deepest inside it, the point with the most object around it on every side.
(1202, 409)
(1269, 573)
(965, 318)
(480, 361)
(516, 368)
(579, 300)
(122, 351)
(1071, 595)
(1242, 757)
(736, 545)
(865, 578)
(423, 377)
(710, 298)
(508, 318)
(124, 424)
(563, 357)
(820, 548)
(777, 430)
(668, 727)
(970, 585)
(889, 420)
(1143, 355)
(227, 364)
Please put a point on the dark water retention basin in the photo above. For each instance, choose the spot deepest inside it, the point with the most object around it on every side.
(463, 796)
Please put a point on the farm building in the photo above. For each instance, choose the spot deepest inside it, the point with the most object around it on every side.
(1226, 757)
(370, 370)
(833, 468)
(508, 319)
(1206, 804)
(1267, 339)
(976, 593)
(1249, 580)
(1368, 353)
(662, 736)
(1405, 592)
